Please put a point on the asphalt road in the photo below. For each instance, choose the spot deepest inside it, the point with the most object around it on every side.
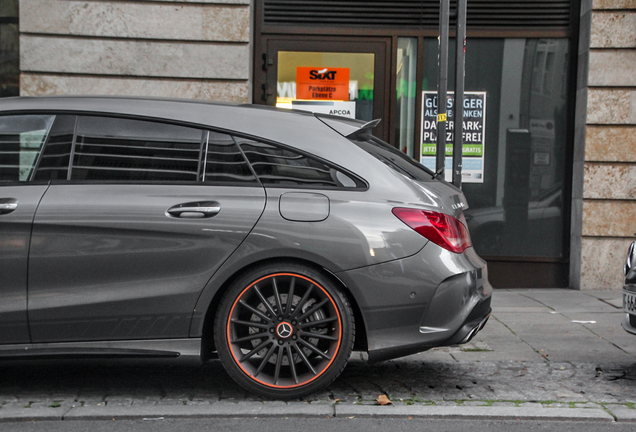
(314, 425)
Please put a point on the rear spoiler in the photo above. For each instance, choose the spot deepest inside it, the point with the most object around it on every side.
(349, 128)
(365, 129)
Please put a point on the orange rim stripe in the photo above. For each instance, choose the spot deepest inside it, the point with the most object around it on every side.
(339, 330)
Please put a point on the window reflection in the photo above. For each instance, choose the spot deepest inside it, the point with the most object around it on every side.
(518, 209)
(357, 102)
(133, 150)
(406, 94)
(9, 49)
(281, 166)
(21, 138)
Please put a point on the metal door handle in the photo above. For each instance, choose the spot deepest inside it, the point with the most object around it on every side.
(204, 209)
(7, 205)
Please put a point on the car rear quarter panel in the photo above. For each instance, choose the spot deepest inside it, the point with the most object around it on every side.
(435, 288)
(360, 231)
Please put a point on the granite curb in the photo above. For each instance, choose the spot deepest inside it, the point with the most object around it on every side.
(475, 412)
(303, 409)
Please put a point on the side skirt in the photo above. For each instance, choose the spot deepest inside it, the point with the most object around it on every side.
(179, 350)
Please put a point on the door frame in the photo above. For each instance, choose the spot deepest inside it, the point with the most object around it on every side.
(266, 68)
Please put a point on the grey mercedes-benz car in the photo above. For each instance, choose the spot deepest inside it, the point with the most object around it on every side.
(278, 241)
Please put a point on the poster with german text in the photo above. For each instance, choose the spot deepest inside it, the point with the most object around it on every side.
(473, 134)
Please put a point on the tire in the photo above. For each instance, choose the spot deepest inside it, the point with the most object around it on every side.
(281, 349)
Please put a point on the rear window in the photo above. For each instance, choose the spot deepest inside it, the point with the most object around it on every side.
(394, 158)
(284, 167)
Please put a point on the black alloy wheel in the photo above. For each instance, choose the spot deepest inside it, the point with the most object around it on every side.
(284, 331)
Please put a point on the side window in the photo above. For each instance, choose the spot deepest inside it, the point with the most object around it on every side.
(284, 167)
(21, 139)
(55, 158)
(224, 161)
(134, 150)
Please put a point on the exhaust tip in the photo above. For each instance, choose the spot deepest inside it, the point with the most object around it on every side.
(475, 330)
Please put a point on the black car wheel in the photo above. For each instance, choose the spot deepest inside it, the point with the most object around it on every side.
(284, 331)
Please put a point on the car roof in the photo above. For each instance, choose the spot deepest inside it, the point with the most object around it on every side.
(299, 129)
(205, 113)
(212, 114)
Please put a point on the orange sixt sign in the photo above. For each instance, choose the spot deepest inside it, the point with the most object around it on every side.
(322, 83)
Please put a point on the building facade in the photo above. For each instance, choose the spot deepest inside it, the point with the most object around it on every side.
(605, 174)
(551, 98)
(187, 49)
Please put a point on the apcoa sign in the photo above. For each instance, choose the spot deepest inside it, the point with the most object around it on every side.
(314, 83)
(337, 108)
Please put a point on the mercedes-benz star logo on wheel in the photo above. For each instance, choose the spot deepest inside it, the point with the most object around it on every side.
(284, 330)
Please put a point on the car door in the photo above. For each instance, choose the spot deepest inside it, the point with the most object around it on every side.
(123, 248)
(21, 138)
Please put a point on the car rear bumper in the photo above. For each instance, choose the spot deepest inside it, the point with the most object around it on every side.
(433, 298)
(629, 323)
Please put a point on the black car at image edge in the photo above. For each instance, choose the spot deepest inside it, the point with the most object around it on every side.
(629, 290)
(277, 240)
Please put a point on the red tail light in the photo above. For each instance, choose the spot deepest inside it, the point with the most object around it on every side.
(441, 229)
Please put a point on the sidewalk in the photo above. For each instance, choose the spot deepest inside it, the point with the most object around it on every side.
(541, 350)
(544, 354)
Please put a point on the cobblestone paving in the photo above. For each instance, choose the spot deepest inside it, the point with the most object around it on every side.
(405, 381)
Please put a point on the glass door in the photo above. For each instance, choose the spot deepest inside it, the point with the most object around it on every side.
(344, 78)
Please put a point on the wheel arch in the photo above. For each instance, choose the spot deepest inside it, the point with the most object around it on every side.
(207, 323)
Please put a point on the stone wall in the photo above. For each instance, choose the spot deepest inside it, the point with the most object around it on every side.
(609, 185)
(194, 49)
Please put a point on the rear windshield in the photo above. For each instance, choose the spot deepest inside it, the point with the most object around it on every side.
(394, 158)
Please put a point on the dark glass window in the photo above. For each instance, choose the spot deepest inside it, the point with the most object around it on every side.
(54, 161)
(133, 150)
(224, 161)
(9, 49)
(21, 138)
(280, 166)
(519, 207)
